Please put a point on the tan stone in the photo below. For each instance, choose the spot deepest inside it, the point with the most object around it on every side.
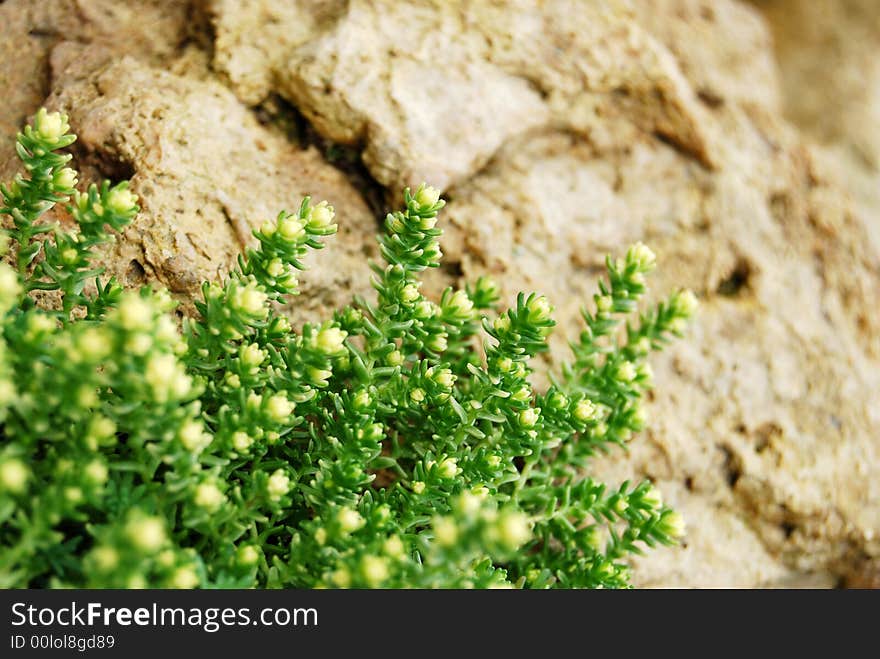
(207, 173)
(826, 51)
(433, 89)
(830, 75)
(152, 30)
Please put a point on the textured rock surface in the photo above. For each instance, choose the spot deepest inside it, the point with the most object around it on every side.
(830, 75)
(205, 168)
(207, 172)
(560, 133)
(432, 90)
(154, 31)
(826, 51)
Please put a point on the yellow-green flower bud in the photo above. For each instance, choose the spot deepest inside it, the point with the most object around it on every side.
(349, 520)
(208, 496)
(448, 468)
(626, 372)
(121, 201)
(677, 325)
(585, 411)
(409, 294)
(427, 196)
(513, 530)
(247, 555)
(249, 300)
(64, 179)
(320, 217)
(50, 126)
(104, 558)
(468, 504)
(539, 310)
(362, 400)
(167, 378)
(96, 472)
(394, 548)
(504, 364)
(146, 533)
(319, 376)
(558, 400)
(522, 394)
(279, 408)
(502, 323)
(193, 436)
(529, 417)
(673, 525)
(374, 570)
(135, 313)
(425, 309)
(14, 475)
(639, 418)
(642, 346)
(653, 498)
(278, 485)
(438, 342)
(241, 441)
(459, 305)
(251, 356)
(685, 303)
(444, 378)
(10, 286)
(642, 256)
(276, 268)
(341, 578)
(184, 578)
(331, 340)
(445, 531)
(291, 228)
(101, 429)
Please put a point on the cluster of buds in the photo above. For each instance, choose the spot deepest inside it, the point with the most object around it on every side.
(475, 520)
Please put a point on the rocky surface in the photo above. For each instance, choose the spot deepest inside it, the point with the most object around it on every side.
(560, 134)
(830, 84)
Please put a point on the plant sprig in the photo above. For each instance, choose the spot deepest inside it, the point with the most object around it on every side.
(400, 443)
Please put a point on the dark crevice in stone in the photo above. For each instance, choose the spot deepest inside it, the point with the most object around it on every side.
(453, 269)
(108, 164)
(344, 157)
(737, 281)
(200, 29)
(135, 275)
(732, 467)
(674, 142)
(709, 98)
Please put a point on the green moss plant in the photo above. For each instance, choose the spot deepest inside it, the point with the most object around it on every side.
(399, 443)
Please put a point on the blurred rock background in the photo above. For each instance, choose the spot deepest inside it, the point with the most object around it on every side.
(738, 139)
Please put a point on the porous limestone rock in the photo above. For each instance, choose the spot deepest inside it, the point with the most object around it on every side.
(153, 30)
(830, 87)
(433, 89)
(207, 173)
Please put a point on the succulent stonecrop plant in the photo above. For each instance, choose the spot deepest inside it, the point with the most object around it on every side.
(398, 444)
